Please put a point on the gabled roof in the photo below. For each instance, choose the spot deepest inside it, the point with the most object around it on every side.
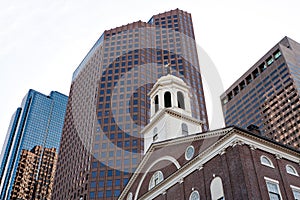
(207, 146)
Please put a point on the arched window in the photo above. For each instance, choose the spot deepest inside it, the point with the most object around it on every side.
(129, 196)
(184, 129)
(291, 170)
(194, 195)
(156, 103)
(264, 160)
(180, 100)
(216, 189)
(167, 97)
(156, 178)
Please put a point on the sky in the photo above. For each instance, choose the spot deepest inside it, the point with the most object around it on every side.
(43, 41)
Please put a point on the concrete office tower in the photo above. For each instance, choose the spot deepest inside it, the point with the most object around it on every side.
(267, 95)
(108, 105)
(39, 162)
(38, 122)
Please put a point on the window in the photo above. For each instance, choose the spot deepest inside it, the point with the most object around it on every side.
(100, 194)
(108, 193)
(296, 192)
(184, 129)
(194, 195)
(270, 60)
(291, 170)
(277, 54)
(167, 97)
(264, 160)
(156, 103)
(273, 189)
(92, 195)
(129, 196)
(94, 174)
(180, 100)
(216, 189)
(93, 184)
(156, 178)
(189, 152)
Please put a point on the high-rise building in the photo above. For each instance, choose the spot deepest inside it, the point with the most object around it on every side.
(108, 104)
(38, 162)
(267, 96)
(38, 122)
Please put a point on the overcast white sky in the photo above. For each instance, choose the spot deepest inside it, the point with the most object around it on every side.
(43, 41)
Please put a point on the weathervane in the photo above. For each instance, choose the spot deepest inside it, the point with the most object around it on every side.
(168, 66)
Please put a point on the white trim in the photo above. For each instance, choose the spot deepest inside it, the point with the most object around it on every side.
(129, 196)
(293, 168)
(194, 191)
(186, 152)
(169, 111)
(152, 183)
(230, 137)
(268, 159)
(295, 187)
(169, 158)
(207, 155)
(269, 180)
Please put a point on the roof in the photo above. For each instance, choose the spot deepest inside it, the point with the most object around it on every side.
(207, 145)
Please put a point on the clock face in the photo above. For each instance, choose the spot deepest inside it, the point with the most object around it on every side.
(189, 152)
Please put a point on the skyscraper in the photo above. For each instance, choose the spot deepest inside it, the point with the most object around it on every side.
(267, 96)
(108, 104)
(38, 162)
(38, 122)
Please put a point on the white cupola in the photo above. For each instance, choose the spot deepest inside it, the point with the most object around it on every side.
(171, 115)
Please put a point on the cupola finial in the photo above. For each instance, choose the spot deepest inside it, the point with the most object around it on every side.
(169, 69)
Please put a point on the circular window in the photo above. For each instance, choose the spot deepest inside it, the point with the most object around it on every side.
(129, 196)
(189, 152)
(194, 195)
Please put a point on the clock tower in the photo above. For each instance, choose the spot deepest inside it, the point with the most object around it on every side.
(171, 115)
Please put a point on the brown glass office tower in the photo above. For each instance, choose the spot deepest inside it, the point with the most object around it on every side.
(267, 96)
(39, 162)
(109, 105)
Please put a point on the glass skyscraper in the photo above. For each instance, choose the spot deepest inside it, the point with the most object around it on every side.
(267, 96)
(109, 103)
(38, 122)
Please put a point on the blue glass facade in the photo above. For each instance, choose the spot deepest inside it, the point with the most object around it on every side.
(39, 121)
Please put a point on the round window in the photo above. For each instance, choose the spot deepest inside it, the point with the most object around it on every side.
(189, 152)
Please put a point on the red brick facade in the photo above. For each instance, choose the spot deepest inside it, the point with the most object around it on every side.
(232, 154)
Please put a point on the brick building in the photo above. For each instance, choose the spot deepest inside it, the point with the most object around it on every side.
(35, 174)
(229, 163)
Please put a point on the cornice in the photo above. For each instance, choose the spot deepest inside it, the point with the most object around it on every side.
(232, 137)
(165, 143)
(172, 113)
